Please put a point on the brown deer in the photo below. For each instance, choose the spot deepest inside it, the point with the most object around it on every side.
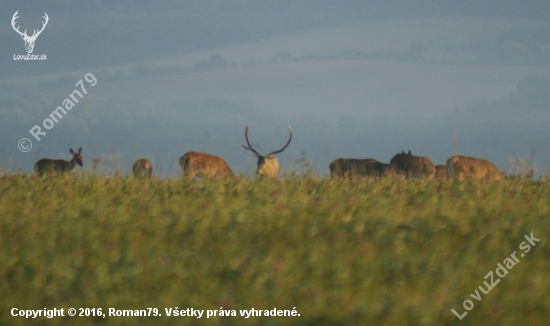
(142, 168)
(459, 166)
(204, 165)
(268, 164)
(352, 167)
(49, 166)
(441, 171)
(413, 166)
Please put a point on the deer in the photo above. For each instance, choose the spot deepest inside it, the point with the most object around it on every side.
(353, 167)
(460, 166)
(29, 40)
(441, 171)
(47, 166)
(413, 166)
(142, 168)
(268, 164)
(204, 165)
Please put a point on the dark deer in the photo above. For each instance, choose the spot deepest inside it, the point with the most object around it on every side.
(353, 167)
(49, 166)
(413, 166)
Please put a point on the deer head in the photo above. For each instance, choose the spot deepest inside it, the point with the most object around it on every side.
(77, 157)
(29, 40)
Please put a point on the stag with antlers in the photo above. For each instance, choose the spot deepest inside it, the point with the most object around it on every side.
(268, 164)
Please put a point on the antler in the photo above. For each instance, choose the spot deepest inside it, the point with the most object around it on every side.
(13, 19)
(288, 142)
(36, 33)
(249, 146)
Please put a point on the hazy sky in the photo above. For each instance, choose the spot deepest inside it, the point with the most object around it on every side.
(361, 79)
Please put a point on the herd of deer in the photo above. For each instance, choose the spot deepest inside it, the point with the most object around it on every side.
(196, 164)
(416, 167)
(192, 163)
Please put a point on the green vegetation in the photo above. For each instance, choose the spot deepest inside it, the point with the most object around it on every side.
(366, 252)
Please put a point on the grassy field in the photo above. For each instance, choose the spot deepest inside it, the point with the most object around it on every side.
(367, 252)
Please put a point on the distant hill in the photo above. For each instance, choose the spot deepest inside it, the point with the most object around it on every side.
(361, 90)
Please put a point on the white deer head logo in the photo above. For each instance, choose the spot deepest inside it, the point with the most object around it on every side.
(29, 40)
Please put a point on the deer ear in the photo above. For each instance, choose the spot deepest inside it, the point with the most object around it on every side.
(71, 151)
(80, 150)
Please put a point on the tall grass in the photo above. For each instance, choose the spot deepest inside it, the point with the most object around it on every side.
(365, 252)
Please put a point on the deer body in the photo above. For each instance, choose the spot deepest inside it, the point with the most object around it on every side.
(351, 167)
(441, 171)
(204, 165)
(459, 166)
(142, 168)
(49, 166)
(413, 166)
